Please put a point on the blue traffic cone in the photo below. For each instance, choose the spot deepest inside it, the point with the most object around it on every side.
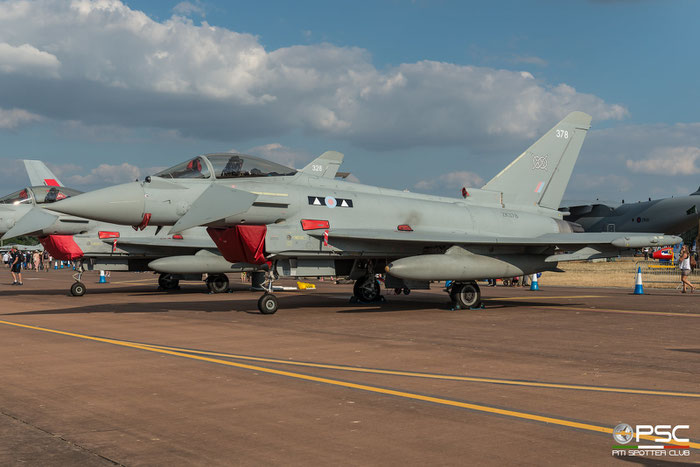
(61, 264)
(534, 285)
(103, 278)
(638, 287)
(55, 264)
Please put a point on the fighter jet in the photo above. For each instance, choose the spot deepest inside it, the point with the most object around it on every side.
(104, 246)
(109, 247)
(303, 224)
(667, 215)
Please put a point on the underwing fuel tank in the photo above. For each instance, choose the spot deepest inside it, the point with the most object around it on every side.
(193, 264)
(467, 266)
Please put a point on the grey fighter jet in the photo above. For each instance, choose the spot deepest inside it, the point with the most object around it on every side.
(109, 247)
(668, 215)
(306, 225)
(98, 245)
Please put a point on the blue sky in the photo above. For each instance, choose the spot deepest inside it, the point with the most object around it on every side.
(423, 95)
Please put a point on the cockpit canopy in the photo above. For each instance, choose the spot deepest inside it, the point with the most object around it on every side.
(226, 165)
(39, 194)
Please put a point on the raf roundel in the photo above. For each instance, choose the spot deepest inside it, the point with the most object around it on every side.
(331, 202)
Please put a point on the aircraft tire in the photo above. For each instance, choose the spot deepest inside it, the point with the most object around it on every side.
(267, 304)
(466, 295)
(367, 289)
(217, 283)
(168, 282)
(77, 289)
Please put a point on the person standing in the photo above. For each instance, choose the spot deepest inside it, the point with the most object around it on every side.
(17, 258)
(36, 256)
(684, 263)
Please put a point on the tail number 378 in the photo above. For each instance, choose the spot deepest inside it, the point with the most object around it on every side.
(562, 134)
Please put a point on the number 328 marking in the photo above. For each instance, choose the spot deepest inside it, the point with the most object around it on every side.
(563, 134)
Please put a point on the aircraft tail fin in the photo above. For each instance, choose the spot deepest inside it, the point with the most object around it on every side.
(539, 176)
(326, 165)
(40, 175)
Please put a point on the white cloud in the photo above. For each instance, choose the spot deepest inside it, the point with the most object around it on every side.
(451, 180)
(189, 8)
(12, 118)
(26, 58)
(668, 161)
(104, 174)
(120, 67)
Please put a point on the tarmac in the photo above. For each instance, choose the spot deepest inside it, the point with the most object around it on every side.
(128, 375)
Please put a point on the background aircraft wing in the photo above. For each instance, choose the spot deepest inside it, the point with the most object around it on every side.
(40, 175)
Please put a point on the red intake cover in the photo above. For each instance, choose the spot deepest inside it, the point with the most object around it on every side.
(62, 247)
(241, 244)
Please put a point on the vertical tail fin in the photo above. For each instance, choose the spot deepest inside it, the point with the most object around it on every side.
(325, 166)
(539, 176)
(40, 175)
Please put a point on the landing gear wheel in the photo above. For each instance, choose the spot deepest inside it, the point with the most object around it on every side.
(267, 304)
(217, 283)
(77, 289)
(406, 291)
(168, 282)
(397, 291)
(466, 295)
(367, 289)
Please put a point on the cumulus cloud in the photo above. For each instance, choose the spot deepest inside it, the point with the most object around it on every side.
(117, 66)
(104, 174)
(26, 58)
(646, 160)
(189, 8)
(668, 161)
(12, 118)
(451, 180)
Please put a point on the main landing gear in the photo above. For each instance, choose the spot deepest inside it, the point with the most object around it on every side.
(367, 289)
(217, 283)
(465, 295)
(168, 282)
(78, 289)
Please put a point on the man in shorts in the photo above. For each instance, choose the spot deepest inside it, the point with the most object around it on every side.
(16, 259)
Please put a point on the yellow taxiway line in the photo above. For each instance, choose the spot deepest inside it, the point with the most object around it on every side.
(362, 387)
(437, 376)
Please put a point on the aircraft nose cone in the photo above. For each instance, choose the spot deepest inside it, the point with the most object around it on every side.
(119, 204)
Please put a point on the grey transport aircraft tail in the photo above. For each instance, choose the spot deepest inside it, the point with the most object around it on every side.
(539, 176)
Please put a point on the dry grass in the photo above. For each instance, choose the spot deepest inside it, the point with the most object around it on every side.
(618, 273)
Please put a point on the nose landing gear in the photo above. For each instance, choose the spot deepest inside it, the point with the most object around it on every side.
(78, 289)
(267, 304)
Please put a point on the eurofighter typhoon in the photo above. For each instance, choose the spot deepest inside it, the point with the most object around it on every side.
(302, 224)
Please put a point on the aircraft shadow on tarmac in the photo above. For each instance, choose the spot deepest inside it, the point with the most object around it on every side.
(227, 303)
